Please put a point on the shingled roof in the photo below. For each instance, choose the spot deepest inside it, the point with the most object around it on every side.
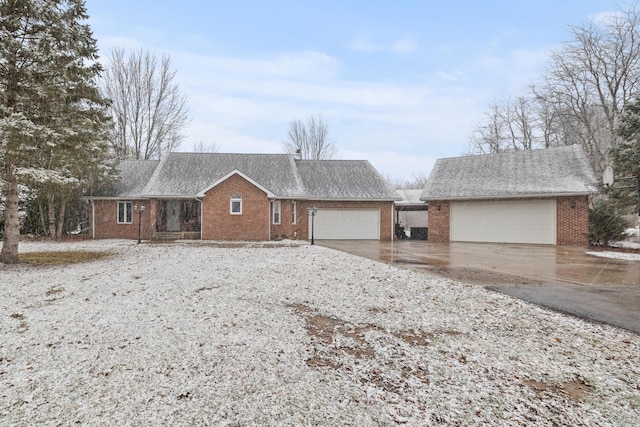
(137, 174)
(553, 171)
(186, 175)
(344, 180)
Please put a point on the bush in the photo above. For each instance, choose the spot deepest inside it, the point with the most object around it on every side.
(606, 224)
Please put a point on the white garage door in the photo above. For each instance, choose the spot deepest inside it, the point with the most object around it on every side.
(338, 224)
(517, 221)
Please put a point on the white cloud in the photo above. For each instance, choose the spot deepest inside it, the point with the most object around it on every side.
(244, 104)
(363, 44)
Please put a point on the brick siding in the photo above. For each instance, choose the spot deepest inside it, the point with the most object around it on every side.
(219, 224)
(439, 221)
(572, 223)
(106, 220)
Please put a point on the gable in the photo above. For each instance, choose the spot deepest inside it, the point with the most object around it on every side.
(228, 176)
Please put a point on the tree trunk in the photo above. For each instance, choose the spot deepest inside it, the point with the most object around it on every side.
(9, 254)
(52, 215)
(43, 223)
(60, 223)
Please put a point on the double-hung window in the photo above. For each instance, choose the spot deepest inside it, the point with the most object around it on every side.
(276, 212)
(294, 213)
(235, 204)
(124, 213)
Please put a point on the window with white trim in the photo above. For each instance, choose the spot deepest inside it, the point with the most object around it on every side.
(276, 212)
(124, 213)
(235, 204)
(294, 212)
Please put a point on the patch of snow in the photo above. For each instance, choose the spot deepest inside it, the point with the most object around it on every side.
(616, 255)
(194, 333)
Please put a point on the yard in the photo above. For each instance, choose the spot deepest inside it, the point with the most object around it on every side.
(291, 334)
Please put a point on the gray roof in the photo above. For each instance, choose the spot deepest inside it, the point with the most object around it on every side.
(185, 175)
(134, 175)
(344, 180)
(551, 171)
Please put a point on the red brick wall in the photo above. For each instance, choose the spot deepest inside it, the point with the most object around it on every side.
(572, 223)
(106, 220)
(287, 230)
(219, 224)
(439, 221)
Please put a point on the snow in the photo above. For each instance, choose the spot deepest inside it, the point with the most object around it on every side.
(616, 255)
(197, 333)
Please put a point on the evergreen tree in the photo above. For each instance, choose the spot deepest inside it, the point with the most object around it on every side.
(625, 157)
(52, 120)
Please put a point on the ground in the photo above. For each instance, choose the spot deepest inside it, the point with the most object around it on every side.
(292, 334)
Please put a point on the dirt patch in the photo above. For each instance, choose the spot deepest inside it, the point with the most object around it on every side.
(53, 291)
(335, 338)
(574, 390)
(327, 330)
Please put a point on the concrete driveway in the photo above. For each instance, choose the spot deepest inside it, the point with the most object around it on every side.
(562, 278)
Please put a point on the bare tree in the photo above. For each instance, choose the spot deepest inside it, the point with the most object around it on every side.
(417, 181)
(489, 135)
(201, 147)
(581, 94)
(149, 112)
(310, 140)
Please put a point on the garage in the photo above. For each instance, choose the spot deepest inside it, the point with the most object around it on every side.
(507, 221)
(343, 224)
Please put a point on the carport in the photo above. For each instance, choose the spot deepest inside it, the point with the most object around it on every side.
(411, 215)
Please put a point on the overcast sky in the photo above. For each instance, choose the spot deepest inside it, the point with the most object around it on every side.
(401, 83)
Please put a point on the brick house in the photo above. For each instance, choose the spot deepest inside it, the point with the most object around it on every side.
(221, 196)
(533, 196)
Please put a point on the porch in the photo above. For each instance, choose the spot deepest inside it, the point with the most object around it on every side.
(176, 219)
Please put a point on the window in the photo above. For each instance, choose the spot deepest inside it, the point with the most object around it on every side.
(124, 213)
(294, 212)
(236, 204)
(276, 212)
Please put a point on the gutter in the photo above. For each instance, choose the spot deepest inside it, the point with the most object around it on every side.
(510, 196)
(269, 217)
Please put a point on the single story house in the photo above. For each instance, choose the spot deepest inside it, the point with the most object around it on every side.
(533, 196)
(223, 196)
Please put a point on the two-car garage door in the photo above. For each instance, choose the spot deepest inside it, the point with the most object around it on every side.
(504, 221)
(338, 224)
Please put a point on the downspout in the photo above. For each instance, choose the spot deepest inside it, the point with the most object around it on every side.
(93, 219)
(201, 217)
(269, 217)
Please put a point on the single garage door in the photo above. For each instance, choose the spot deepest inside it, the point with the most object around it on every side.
(504, 221)
(344, 224)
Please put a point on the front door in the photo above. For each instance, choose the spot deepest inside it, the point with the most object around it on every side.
(173, 215)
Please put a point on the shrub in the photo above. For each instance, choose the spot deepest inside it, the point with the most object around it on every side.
(606, 225)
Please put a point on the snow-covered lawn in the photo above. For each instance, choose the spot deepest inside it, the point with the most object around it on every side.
(201, 334)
